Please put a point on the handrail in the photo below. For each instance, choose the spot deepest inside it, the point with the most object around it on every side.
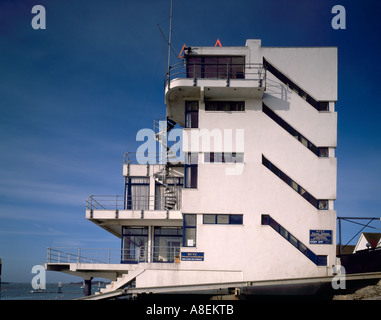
(120, 202)
(242, 71)
(112, 255)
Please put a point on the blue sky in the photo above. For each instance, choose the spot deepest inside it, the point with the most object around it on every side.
(73, 97)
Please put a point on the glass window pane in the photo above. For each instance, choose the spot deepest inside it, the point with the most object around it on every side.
(222, 219)
(304, 141)
(313, 201)
(210, 67)
(228, 157)
(323, 106)
(193, 67)
(284, 232)
(323, 205)
(294, 185)
(323, 152)
(293, 240)
(190, 237)
(209, 218)
(236, 219)
(190, 220)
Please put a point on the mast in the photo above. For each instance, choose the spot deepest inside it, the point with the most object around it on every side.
(170, 37)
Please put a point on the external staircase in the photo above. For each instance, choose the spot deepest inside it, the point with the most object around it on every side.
(166, 155)
(122, 281)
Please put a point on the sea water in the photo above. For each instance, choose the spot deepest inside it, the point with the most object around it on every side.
(24, 291)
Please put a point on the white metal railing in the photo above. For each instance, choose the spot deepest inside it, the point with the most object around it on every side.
(245, 71)
(120, 202)
(113, 255)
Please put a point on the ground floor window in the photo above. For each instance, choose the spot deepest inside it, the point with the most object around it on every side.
(134, 244)
(167, 242)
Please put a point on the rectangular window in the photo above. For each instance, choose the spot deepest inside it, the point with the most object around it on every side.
(167, 242)
(215, 67)
(190, 170)
(136, 193)
(323, 152)
(319, 204)
(223, 157)
(191, 114)
(222, 219)
(321, 260)
(134, 244)
(224, 105)
(189, 230)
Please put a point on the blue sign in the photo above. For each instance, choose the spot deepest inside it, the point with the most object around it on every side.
(320, 236)
(192, 256)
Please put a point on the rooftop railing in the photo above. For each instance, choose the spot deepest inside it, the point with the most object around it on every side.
(246, 71)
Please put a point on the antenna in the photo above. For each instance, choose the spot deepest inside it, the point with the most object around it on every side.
(170, 36)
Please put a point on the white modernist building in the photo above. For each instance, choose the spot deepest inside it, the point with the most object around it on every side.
(249, 194)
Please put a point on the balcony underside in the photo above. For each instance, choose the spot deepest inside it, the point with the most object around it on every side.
(112, 220)
(204, 89)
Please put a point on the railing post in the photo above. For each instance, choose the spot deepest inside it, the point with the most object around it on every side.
(79, 255)
(108, 256)
(48, 255)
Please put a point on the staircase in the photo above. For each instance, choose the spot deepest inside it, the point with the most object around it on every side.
(162, 127)
(122, 281)
(316, 259)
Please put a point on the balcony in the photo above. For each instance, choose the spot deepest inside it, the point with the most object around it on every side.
(112, 211)
(200, 80)
(68, 255)
(133, 202)
(236, 76)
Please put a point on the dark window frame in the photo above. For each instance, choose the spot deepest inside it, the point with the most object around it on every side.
(322, 204)
(225, 106)
(215, 66)
(187, 226)
(231, 218)
(190, 181)
(191, 114)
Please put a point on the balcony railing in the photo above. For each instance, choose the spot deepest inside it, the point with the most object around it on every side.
(246, 71)
(120, 202)
(113, 255)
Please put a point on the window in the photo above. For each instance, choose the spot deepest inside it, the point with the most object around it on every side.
(319, 151)
(318, 105)
(269, 221)
(134, 244)
(323, 106)
(218, 67)
(190, 170)
(191, 114)
(319, 204)
(321, 260)
(222, 219)
(323, 204)
(224, 105)
(323, 152)
(136, 193)
(167, 242)
(223, 157)
(189, 230)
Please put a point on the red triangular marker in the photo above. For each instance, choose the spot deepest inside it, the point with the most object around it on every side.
(218, 43)
(182, 50)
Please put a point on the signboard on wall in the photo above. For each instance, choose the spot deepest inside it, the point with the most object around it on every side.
(192, 256)
(320, 236)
